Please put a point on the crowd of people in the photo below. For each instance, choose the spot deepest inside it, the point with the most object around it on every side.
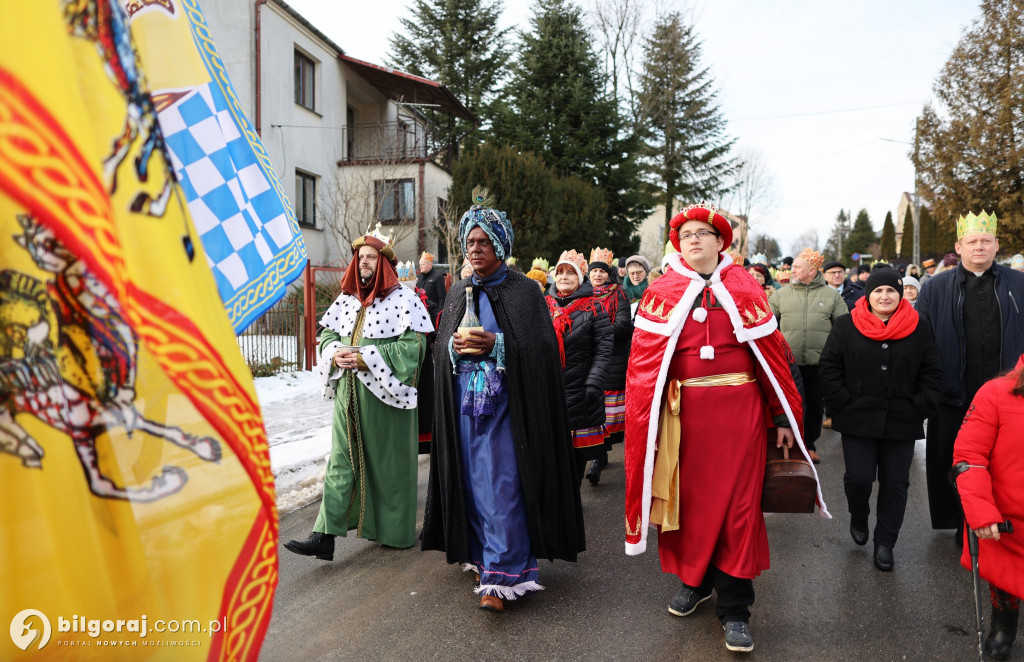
(715, 359)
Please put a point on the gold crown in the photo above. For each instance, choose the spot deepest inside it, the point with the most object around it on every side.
(540, 263)
(388, 249)
(601, 255)
(981, 224)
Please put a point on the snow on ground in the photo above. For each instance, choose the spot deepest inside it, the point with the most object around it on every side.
(298, 423)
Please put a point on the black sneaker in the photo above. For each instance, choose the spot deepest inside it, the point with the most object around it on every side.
(320, 545)
(686, 602)
(737, 637)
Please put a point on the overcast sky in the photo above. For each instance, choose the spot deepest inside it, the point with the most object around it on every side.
(813, 86)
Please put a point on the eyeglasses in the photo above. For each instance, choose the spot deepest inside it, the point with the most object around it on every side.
(700, 234)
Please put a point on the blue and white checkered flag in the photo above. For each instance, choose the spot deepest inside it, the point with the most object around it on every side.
(247, 226)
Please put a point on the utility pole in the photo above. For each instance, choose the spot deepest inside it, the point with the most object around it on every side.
(917, 196)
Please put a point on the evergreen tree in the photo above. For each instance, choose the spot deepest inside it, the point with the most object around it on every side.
(686, 149)
(550, 213)
(458, 44)
(970, 152)
(861, 236)
(887, 244)
(907, 240)
(835, 247)
(555, 105)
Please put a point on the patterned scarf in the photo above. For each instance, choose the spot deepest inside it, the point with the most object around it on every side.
(561, 317)
(608, 296)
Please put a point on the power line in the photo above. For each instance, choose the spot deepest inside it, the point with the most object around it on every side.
(821, 112)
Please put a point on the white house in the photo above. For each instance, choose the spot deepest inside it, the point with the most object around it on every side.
(349, 134)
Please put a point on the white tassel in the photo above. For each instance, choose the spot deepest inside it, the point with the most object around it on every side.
(700, 314)
(707, 352)
(508, 592)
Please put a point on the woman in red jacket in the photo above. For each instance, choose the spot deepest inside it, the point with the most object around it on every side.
(992, 490)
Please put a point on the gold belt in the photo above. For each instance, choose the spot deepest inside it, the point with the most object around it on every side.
(727, 379)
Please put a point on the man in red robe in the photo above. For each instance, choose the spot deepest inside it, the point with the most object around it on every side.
(706, 343)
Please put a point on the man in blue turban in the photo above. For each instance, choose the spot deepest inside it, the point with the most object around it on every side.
(502, 491)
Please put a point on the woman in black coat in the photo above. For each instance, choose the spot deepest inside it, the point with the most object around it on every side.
(613, 301)
(585, 343)
(881, 378)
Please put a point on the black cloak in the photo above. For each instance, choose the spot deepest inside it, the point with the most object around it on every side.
(540, 428)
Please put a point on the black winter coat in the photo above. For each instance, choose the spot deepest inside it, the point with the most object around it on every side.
(851, 292)
(433, 284)
(622, 329)
(941, 302)
(880, 389)
(588, 342)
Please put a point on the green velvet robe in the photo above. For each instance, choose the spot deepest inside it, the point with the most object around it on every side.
(370, 484)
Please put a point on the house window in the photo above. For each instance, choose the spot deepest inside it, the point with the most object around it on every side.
(396, 200)
(305, 86)
(305, 199)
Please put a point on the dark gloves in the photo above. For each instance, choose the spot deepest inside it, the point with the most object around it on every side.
(594, 395)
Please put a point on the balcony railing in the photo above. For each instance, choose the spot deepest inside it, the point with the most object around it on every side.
(388, 141)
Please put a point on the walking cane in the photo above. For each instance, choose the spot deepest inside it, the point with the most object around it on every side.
(972, 542)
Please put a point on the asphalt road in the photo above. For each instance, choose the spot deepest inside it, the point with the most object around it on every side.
(822, 599)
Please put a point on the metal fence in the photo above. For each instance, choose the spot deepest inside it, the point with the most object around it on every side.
(321, 286)
(274, 342)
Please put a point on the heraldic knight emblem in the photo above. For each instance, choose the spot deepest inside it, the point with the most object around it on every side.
(69, 358)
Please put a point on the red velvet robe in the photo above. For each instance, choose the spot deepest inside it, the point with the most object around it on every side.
(990, 437)
(663, 315)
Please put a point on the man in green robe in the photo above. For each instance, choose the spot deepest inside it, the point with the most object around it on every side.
(371, 350)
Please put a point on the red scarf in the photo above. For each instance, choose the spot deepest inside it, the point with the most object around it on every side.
(901, 324)
(608, 296)
(561, 318)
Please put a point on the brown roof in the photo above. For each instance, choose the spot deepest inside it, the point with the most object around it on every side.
(407, 88)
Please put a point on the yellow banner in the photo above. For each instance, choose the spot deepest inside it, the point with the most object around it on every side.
(140, 504)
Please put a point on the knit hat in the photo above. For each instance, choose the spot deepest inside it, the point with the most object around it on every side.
(911, 282)
(884, 276)
(574, 260)
(539, 276)
(812, 257)
(705, 213)
(832, 265)
(787, 260)
(950, 260)
(641, 260)
(863, 269)
(601, 258)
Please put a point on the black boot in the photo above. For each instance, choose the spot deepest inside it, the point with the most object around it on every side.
(883, 558)
(320, 545)
(1003, 633)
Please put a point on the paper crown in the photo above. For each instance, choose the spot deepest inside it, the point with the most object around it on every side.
(735, 256)
(575, 260)
(540, 263)
(927, 264)
(377, 239)
(429, 257)
(602, 255)
(812, 257)
(981, 224)
(759, 258)
(406, 271)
